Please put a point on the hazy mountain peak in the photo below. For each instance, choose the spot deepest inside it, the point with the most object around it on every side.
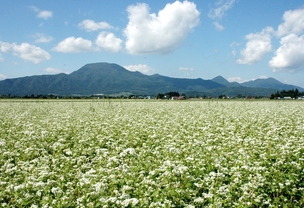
(221, 80)
(270, 83)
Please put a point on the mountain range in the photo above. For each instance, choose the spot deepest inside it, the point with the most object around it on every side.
(109, 78)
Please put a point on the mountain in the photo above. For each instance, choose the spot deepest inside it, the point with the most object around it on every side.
(102, 78)
(270, 83)
(107, 78)
(223, 81)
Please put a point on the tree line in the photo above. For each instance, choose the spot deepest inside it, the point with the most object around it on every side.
(294, 93)
(168, 95)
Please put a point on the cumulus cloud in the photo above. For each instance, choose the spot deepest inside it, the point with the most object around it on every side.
(25, 51)
(53, 70)
(221, 7)
(289, 56)
(185, 69)
(145, 69)
(44, 14)
(108, 42)
(91, 25)
(41, 38)
(74, 45)
(159, 33)
(293, 23)
(258, 44)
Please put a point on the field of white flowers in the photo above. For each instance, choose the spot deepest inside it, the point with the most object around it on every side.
(151, 153)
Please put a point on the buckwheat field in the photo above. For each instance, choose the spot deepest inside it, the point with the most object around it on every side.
(99, 153)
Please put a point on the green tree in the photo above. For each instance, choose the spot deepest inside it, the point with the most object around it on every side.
(160, 96)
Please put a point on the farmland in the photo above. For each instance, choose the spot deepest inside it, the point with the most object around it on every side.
(98, 153)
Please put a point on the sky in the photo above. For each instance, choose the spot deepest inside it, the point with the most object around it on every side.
(240, 40)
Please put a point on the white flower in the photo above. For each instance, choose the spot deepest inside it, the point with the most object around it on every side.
(132, 201)
(130, 151)
(199, 200)
(207, 196)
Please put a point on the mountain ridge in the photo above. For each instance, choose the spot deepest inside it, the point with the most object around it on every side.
(222, 80)
(109, 78)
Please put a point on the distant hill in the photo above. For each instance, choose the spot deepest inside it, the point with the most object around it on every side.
(270, 83)
(223, 81)
(109, 78)
(102, 78)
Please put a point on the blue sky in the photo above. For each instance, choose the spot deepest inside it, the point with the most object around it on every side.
(239, 39)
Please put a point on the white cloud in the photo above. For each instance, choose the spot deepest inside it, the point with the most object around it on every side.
(263, 77)
(240, 80)
(44, 14)
(221, 7)
(162, 32)
(53, 70)
(2, 76)
(25, 51)
(257, 46)
(6, 47)
(74, 45)
(41, 38)
(289, 56)
(218, 26)
(145, 69)
(185, 69)
(108, 42)
(235, 79)
(91, 25)
(293, 23)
